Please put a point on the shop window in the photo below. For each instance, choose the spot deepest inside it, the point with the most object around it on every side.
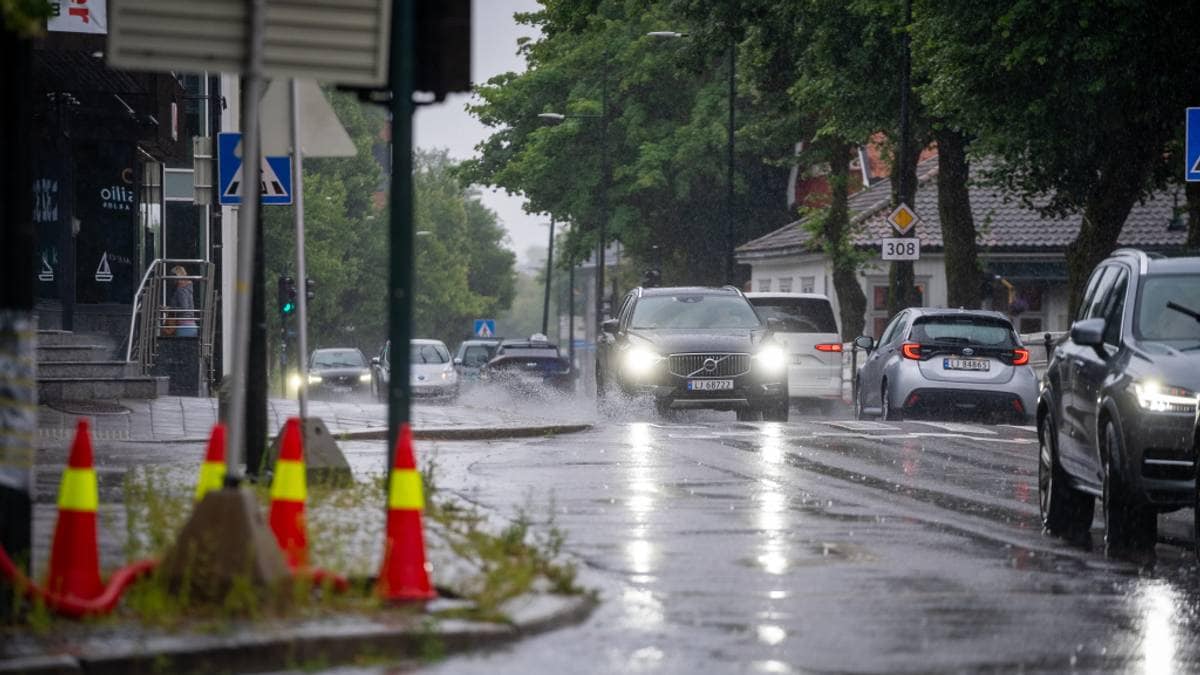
(807, 284)
(764, 285)
(785, 284)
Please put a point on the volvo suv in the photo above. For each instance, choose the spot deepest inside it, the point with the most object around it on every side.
(1116, 412)
(694, 348)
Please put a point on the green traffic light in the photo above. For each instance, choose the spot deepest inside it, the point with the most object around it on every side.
(289, 307)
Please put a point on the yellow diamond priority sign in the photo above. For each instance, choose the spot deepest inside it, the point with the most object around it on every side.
(903, 218)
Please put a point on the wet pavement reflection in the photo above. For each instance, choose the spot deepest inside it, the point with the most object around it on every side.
(823, 545)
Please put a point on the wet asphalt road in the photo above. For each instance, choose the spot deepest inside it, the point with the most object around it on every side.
(823, 544)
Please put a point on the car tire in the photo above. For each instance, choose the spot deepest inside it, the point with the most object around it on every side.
(776, 413)
(662, 406)
(889, 412)
(1066, 512)
(1130, 530)
(860, 405)
(748, 414)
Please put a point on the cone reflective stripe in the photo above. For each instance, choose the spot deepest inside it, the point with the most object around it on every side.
(74, 568)
(404, 574)
(289, 490)
(212, 471)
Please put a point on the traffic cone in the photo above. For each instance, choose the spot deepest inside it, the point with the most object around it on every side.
(289, 490)
(212, 471)
(75, 555)
(404, 574)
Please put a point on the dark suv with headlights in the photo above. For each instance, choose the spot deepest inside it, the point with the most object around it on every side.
(694, 348)
(1118, 402)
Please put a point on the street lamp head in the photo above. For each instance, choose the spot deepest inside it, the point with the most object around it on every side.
(551, 118)
(665, 34)
(422, 233)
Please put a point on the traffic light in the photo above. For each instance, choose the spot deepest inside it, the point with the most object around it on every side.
(287, 296)
(310, 289)
(651, 278)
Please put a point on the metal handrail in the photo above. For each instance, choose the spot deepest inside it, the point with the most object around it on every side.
(151, 313)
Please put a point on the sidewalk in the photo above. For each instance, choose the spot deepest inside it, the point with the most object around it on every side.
(185, 419)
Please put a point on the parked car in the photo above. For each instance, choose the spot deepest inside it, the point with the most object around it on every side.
(694, 348)
(338, 371)
(946, 362)
(431, 374)
(529, 365)
(471, 356)
(1116, 415)
(807, 327)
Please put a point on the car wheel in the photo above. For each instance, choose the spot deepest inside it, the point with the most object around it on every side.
(859, 404)
(662, 406)
(601, 392)
(748, 414)
(777, 413)
(1129, 529)
(1066, 512)
(890, 412)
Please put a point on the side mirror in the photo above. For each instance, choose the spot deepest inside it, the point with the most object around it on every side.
(374, 360)
(1088, 333)
(609, 326)
(458, 361)
(864, 342)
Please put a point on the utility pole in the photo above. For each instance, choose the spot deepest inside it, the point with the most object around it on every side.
(18, 336)
(901, 289)
(730, 234)
(549, 271)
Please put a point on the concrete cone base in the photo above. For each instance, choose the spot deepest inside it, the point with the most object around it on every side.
(324, 462)
(226, 541)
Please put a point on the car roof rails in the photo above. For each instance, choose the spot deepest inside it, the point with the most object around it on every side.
(1143, 257)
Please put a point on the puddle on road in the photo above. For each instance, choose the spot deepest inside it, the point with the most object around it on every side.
(810, 555)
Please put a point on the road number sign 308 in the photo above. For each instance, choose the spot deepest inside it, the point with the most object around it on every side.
(901, 248)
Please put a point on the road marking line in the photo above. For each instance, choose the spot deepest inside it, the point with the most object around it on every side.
(861, 425)
(959, 428)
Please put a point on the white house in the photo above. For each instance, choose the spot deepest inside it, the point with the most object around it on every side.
(1024, 252)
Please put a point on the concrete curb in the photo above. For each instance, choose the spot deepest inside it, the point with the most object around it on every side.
(380, 434)
(284, 645)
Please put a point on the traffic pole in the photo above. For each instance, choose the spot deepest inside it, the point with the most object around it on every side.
(401, 230)
(301, 270)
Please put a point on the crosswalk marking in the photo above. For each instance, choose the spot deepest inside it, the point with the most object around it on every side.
(959, 428)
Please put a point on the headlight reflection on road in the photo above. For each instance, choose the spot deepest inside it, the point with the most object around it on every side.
(1159, 606)
(772, 513)
(643, 488)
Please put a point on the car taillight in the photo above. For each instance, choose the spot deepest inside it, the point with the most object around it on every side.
(911, 350)
(1020, 356)
(829, 347)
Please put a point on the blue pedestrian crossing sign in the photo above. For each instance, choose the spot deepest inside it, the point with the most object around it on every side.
(485, 328)
(1192, 146)
(276, 185)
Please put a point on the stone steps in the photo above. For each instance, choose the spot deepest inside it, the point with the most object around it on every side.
(108, 388)
(87, 366)
(84, 369)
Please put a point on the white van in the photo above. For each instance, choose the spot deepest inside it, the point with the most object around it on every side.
(808, 326)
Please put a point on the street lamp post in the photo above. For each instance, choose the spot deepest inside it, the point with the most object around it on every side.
(730, 230)
(549, 270)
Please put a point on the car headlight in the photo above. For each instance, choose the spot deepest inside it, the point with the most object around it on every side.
(314, 379)
(772, 358)
(364, 378)
(640, 361)
(294, 381)
(1157, 397)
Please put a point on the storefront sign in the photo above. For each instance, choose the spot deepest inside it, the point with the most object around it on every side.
(78, 16)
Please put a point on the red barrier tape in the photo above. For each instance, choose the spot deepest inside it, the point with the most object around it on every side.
(69, 605)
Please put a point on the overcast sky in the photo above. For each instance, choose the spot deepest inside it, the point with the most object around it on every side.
(447, 125)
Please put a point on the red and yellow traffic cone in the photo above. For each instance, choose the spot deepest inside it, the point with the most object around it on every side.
(404, 574)
(75, 554)
(212, 471)
(289, 490)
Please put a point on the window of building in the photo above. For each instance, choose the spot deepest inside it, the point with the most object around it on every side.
(785, 284)
(764, 285)
(807, 284)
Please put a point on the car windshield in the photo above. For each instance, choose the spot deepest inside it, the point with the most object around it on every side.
(694, 311)
(428, 353)
(476, 355)
(338, 358)
(797, 315)
(966, 330)
(1167, 310)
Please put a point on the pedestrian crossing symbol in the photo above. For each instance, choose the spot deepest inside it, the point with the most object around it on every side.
(1191, 169)
(103, 272)
(485, 328)
(47, 273)
(275, 186)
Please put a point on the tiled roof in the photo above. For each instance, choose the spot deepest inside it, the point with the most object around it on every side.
(1002, 222)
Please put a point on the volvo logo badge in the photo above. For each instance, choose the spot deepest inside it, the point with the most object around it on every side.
(710, 365)
(967, 351)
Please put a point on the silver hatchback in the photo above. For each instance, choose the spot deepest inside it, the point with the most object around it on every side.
(945, 363)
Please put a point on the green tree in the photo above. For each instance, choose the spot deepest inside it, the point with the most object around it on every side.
(1079, 104)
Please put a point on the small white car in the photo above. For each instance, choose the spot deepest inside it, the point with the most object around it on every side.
(806, 324)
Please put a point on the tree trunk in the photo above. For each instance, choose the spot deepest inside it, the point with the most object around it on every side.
(1104, 215)
(1193, 215)
(852, 302)
(958, 224)
(902, 288)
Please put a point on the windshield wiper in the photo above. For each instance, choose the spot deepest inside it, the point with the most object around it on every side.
(1183, 310)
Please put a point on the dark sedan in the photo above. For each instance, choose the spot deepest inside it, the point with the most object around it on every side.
(529, 365)
(338, 371)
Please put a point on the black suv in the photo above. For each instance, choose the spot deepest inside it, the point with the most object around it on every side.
(694, 348)
(1116, 410)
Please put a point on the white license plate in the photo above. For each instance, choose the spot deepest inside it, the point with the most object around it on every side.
(710, 385)
(966, 364)
(338, 389)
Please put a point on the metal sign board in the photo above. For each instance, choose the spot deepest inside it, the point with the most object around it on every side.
(903, 218)
(276, 186)
(341, 41)
(321, 132)
(1192, 169)
(900, 248)
(485, 328)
